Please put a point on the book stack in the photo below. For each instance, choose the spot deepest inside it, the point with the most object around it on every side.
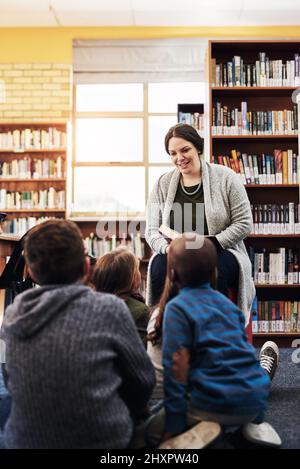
(33, 139)
(26, 200)
(195, 119)
(98, 247)
(276, 316)
(264, 72)
(276, 219)
(281, 167)
(275, 266)
(234, 121)
(20, 226)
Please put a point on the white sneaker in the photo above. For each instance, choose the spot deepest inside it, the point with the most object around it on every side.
(262, 434)
(197, 437)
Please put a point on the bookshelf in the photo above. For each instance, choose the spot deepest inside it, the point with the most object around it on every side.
(251, 111)
(117, 232)
(32, 173)
(192, 114)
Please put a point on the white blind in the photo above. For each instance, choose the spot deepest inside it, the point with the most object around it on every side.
(132, 61)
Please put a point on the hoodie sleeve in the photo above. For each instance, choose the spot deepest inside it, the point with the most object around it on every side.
(133, 362)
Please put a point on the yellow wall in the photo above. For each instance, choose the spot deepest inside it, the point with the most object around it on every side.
(55, 44)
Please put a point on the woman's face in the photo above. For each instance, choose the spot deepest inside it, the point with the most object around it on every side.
(184, 156)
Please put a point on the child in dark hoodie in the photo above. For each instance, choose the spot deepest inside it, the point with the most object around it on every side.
(78, 373)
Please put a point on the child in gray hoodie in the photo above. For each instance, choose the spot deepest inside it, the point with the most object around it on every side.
(78, 373)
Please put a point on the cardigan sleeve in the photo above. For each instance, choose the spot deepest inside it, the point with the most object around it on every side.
(239, 214)
(153, 221)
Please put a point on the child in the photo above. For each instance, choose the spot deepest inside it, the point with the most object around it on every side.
(117, 272)
(206, 355)
(78, 374)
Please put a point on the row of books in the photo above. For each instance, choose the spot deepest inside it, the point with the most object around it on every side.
(20, 226)
(98, 247)
(226, 121)
(32, 168)
(195, 119)
(26, 200)
(275, 266)
(281, 167)
(264, 72)
(276, 316)
(34, 139)
(276, 219)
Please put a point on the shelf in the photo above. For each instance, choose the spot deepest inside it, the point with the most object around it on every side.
(33, 180)
(276, 334)
(285, 285)
(258, 236)
(253, 88)
(31, 150)
(272, 186)
(253, 137)
(42, 210)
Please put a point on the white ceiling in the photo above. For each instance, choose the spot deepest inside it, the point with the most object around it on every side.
(149, 12)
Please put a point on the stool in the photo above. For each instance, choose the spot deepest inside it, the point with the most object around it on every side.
(232, 295)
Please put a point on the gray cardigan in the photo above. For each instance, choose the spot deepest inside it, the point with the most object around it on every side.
(228, 216)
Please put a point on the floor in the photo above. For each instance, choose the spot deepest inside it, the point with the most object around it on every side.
(284, 404)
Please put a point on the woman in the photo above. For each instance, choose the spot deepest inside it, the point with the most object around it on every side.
(195, 183)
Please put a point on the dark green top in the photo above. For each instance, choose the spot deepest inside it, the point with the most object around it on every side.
(140, 313)
(182, 198)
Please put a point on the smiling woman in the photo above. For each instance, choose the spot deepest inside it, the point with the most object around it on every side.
(208, 199)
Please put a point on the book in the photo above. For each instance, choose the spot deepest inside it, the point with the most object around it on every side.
(170, 234)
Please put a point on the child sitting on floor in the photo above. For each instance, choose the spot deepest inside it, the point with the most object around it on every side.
(117, 272)
(78, 373)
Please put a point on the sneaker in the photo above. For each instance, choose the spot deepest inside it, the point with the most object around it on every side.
(263, 434)
(269, 358)
(197, 437)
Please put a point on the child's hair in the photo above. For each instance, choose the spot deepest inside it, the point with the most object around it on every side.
(192, 266)
(54, 252)
(169, 292)
(117, 272)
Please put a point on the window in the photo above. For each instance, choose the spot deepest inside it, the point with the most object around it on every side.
(119, 143)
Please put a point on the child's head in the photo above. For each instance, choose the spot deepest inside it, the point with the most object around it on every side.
(117, 272)
(54, 253)
(192, 260)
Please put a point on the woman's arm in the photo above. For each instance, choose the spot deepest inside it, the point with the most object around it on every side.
(154, 238)
(240, 214)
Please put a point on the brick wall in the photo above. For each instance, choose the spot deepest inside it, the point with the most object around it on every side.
(41, 92)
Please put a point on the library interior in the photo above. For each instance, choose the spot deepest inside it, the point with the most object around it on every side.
(149, 204)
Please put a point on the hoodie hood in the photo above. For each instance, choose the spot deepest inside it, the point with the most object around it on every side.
(33, 309)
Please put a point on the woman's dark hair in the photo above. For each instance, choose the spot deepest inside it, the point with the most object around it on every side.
(117, 272)
(187, 132)
(169, 292)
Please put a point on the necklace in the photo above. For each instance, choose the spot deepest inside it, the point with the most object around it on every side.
(190, 193)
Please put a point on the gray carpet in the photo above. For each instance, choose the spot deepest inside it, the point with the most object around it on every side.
(284, 404)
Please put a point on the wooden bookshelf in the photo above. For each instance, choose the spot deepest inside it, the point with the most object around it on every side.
(33, 144)
(259, 98)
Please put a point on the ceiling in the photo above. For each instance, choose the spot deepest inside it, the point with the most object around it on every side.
(53, 13)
